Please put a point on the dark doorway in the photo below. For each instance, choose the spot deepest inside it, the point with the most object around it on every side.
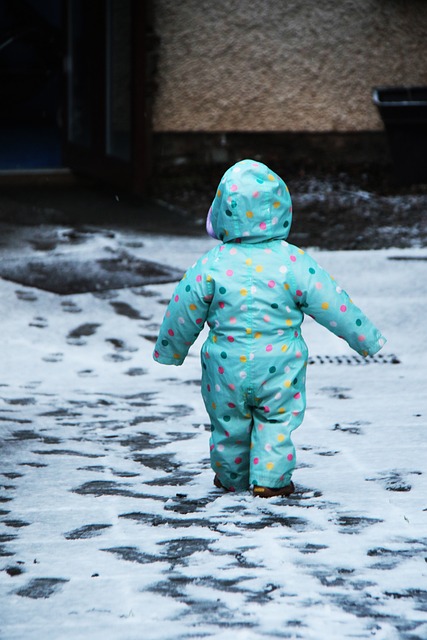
(74, 88)
(31, 56)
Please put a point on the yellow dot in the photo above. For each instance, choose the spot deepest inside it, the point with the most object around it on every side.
(282, 410)
(215, 338)
(249, 214)
(325, 305)
(284, 348)
(226, 232)
(249, 331)
(288, 322)
(218, 193)
(193, 307)
(281, 437)
(286, 286)
(259, 268)
(243, 358)
(270, 177)
(249, 262)
(287, 383)
(243, 292)
(301, 251)
(176, 356)
(208, 278)
(276, 204)
(218, 464)
(213, 405)
(270, 466)
(258, 334)
(248, 415)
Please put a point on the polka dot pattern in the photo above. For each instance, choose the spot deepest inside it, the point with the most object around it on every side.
(253, 291)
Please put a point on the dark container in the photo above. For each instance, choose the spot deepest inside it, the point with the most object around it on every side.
(404, 113)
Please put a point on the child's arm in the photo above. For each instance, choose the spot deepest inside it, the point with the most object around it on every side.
(185, 316)
(318, 295)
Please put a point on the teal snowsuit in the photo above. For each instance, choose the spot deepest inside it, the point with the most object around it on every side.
(253, 290)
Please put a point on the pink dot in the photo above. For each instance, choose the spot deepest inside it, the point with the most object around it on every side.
(221, 305)
(170, 332)
(238, 460)
(230, 338)
(290, 456)
(293, 258)
(231, 405)
(221, 370)
(269, 347)
(263, 226)
(297, 396)
(199, 278)
(233, 187)
(266, 318)
(361, 338)
(299, 292)
(298, 354)
(232, 387)
(229, 272)
(199, 321)
(343, 308)
(233, 320)
(208, 387)
(227, 434)
(255, 194)
(212, 447)
(266, 409)
(319, 285)
(256, 460)
(271, 284)
(156, 354)
(176, 298)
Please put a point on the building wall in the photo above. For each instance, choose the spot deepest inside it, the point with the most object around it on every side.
(283, 65)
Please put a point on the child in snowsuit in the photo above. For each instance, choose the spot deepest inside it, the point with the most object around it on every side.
(253, 290)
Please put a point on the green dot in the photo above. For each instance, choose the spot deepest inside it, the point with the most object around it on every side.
(286, 224)
(228, 212)
(311, 270)
(272, 369)
(212, 428)
(358, 322)
(222, 290)
(295, 382)
(223, 355)
(165, 343)
(233, 476)
(188, 288)
(274, 305)
(227, 418)
(233, 204)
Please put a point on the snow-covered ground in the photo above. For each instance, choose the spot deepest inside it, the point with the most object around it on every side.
(110, 526)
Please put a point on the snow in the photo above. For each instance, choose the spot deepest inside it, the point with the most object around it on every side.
(110, 526)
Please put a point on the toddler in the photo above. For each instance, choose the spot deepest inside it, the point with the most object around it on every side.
(253, 290)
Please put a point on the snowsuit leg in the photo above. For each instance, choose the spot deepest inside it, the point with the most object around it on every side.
(279, 411)
(231, 426)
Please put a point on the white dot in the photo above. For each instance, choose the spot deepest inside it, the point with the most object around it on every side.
(283, 269)
(243, 374)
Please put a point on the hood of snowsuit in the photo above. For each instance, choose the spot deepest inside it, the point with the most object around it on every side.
(252, 204)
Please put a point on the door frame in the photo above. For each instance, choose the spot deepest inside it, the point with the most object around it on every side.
(93, 160)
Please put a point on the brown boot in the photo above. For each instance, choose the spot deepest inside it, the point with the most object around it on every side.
(266, 492)
(217, 482)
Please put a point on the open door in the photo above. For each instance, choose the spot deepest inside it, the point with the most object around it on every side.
(106, 123)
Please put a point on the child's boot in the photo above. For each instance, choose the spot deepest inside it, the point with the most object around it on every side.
(267, 492)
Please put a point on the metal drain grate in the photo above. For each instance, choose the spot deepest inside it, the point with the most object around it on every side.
(355, 360)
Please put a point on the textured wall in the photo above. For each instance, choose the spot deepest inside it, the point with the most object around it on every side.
(287, 65)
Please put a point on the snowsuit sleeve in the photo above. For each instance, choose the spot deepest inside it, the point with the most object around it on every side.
(318, 294)
(185, 315)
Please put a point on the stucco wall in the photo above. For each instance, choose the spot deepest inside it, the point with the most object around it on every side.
(283, 65)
